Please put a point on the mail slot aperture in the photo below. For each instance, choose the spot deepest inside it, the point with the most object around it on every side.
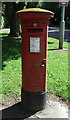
(36, 30)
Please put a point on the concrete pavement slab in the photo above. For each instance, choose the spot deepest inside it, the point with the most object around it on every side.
(54, 109)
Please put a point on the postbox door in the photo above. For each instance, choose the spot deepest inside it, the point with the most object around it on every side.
(34, 61)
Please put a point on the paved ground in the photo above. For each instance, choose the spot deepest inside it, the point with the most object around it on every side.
(55, 108)
(54, 32)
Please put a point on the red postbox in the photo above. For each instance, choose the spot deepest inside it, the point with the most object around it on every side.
(34, 56)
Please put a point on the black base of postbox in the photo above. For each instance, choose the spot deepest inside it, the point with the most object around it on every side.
(33, 100)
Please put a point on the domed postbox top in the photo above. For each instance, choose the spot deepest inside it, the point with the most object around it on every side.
(35, 10)
(34, 13)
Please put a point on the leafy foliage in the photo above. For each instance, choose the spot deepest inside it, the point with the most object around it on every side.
(52, 6)
(32, 4)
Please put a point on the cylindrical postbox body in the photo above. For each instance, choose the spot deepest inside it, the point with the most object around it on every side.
(34, 56)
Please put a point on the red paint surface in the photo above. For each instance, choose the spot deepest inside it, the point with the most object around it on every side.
(34, 64)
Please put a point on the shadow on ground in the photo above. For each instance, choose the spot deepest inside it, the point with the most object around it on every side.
(11, 48)
(53, 49)
(16, 112)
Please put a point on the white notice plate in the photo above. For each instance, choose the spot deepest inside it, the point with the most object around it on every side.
(34, 44)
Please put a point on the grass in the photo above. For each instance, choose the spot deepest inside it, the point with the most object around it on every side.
(11, 77)
(11, 67)
(57, 73)
(58, 70)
